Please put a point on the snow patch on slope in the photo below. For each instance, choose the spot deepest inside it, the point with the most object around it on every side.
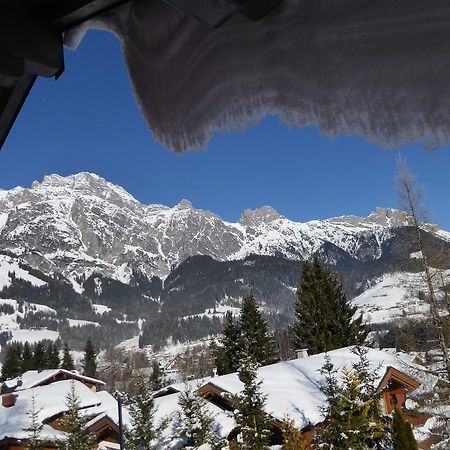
(34, 336)
(8, 266)
(393, 297)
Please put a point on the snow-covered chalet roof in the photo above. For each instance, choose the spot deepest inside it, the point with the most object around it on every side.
(167, 406)
(49, 402)
(34, 378)
(293, 387)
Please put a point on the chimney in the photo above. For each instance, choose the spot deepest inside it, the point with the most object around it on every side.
(9, 400)
(302, 353)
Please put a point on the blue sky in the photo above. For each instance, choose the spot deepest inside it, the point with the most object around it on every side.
(88, 121)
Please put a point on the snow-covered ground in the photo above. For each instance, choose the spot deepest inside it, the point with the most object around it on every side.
(81, 323)
(9, 322)
(129, 344)
(100, 309)
(34, 336)
(218, 311)
(392, 297)
(8, 266)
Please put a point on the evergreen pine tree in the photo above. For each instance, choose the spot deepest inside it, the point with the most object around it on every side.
(252, 328)
(227, 352)
(34, 431)
(74, 425)
(52, 356)
(402, 434)
(354, 417)
(249, 415)
(27, 358)
(89, 361)
(255, 331)
(196, 425)
(67, 362)
(11, 367)
(39, 357)
(292, 436)
(157, 379)
(143, 433)
(324, 317)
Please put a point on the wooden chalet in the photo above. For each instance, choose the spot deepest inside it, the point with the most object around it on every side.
(35, 378)
(396, 385)
(292, 388)
(48, 389)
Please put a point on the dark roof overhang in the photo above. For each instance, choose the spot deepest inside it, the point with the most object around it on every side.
(31, 38)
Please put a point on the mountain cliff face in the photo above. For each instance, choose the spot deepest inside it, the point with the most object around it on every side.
(82, 224)
(91, 243)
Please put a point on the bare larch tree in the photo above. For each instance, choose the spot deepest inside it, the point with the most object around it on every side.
(411, 200)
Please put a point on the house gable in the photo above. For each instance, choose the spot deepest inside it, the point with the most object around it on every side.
(217, 396)
(36, 378)
(104, 428)
(396, 385)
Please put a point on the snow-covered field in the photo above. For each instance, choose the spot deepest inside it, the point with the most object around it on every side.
(392, 297)
(81, 323)
(34, 336)
(9, 322)
(129, 344)
(219, 312)
(100, 309)
(8, 266)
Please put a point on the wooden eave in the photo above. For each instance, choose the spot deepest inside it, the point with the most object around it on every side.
(68, 376)
(57, 416)
(393, 374)
(165, 391)
(103, 423)
(211, 388)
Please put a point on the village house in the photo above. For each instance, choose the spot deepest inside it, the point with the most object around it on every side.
(49, 389)
(292, 389)
(35, 378)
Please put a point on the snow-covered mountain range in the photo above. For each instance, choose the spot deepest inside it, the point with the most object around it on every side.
(111, 267)
(79, 224)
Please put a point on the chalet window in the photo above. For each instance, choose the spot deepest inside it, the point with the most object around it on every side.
(393, 400)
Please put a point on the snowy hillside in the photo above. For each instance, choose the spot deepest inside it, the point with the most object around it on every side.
(394, 296)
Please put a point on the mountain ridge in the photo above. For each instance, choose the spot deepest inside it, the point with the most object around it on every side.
(63, 223)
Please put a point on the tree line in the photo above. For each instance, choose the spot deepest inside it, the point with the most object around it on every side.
(22, 357)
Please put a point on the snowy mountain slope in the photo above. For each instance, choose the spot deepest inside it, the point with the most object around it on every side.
(79, 224)
(9, 268)
(393, 297)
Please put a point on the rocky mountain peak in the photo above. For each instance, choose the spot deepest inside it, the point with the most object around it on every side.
(388, 217)
(84, 183)
(82, 223)
(184, 204)
(266, 214)
(78, 180)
